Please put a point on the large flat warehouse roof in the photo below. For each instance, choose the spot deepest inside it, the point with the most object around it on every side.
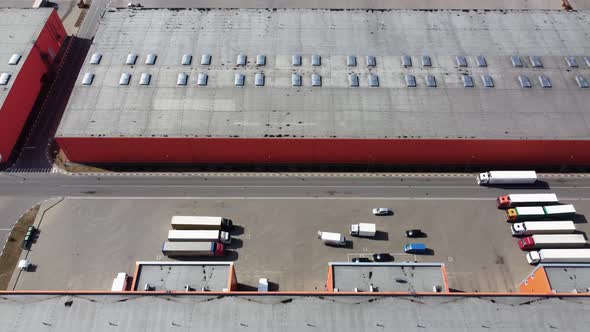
(163, 108)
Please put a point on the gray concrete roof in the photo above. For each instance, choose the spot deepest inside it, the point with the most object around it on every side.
(19, 29)
(392, 110)
(174, 276)
(134, 312)
(394, 277)
(568, 277)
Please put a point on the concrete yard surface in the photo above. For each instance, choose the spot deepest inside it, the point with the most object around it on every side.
(84, 243)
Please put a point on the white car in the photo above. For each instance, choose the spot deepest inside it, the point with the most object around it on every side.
(382, 211)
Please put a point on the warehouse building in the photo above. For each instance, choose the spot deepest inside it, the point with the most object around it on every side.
(557, 278)
(333, 87)
(29, 41)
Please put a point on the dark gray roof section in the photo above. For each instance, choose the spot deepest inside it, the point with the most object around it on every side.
(214, 313)
(387, 277)
(568, 278)
(175, 276)
(219, 110)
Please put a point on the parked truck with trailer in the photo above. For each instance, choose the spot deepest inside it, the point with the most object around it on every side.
(199, 236)
(201, 222)
(513, 200)
(552, 241)
(542, 227)
(183, 248)
(363, 229)
(524, 213)
(333, 239)
(558, 256)
(506, 177)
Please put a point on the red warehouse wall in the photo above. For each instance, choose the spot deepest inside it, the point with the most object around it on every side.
(353, 151)
(27, 83)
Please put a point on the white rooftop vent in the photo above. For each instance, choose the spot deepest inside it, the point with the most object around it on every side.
(481, 61)
(182, 79)
(351, 61)
(261, 60)
(14, 59)
(406, 61)
(239, 80)
(487, 80)
(516, 62)
(587, 60)
(436, 288)
(259, 79)
(24, 264)
(545, 81)
(316, 60)
(571, 61)
(202, 79)
(410, 81)
(353, 80)
(95, 58)
(426, 62)
(296, 80)
(296, 60)
(125, 78)
(87, 80)
(145, 79)
(582, 82)
(524, 81)
(371, 61)
(186, 60)
(150, 59)
(536, 61)
(316, 80)
(467, 81)
(206, 59)
(461, 61)
(4, 78)
(430, 81)
(131, 59)
(373, 80)
(241, 59)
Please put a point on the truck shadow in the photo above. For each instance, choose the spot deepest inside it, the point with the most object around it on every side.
(237, 230)
(349, 245)
(230, 255)
(579, 219)
(537, 185)
(235, 243)
(381, 236)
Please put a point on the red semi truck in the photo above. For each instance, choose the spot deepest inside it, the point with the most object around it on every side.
(552, 241)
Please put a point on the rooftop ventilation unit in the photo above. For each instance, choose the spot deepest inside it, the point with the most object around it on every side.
(95, 59)
(524, 82)
(131, 59)
(373, 80)
(545, 81)
(206, 59)
(145, 79)
(351, 61)
(259, 79)
(406, 61)
(124, 79)
(186, 60)
(150, 59)
(241, 59)
(87, 80)
(5, 77)
(14, 59)
(587, 60)
(182, 79)
(430, 81)
(487, 80)
(353, 80)
(426, 61)
(461, 61)
(410, 81)
(296, 80)
(467, 81)
(536, 61)
(481, 61)
(202, 79)
(316, 60)
(296, 60)
(582, 82)
(371, 61)
(316, 80)
(571, 61)
(516, 62)
(261, 60)
(239, 80)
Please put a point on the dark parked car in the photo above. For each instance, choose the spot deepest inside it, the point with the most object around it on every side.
(383, 257)
(361, 260)
(414, 233)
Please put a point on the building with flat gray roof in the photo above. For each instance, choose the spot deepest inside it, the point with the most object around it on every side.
(387, 277)
(558, 278)
(446, 87)
(176, 276)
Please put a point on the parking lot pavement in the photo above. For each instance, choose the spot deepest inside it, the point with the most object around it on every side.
(84, 243)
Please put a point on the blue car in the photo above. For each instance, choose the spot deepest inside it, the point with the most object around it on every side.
(415, 248)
